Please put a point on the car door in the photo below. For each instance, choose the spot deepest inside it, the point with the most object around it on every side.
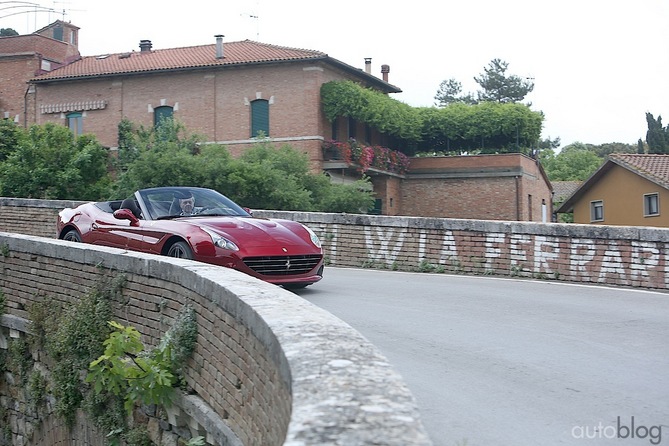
(118, 233)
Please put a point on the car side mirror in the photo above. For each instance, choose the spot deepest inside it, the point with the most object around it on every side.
(248, 210)
(126, 214)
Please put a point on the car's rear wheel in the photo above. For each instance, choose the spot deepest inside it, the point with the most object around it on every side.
(180, 250)
(72, 236)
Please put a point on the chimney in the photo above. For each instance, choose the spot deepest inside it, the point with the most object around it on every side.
(145, 46)
(219, 46)
(385, 69)
(368, 65)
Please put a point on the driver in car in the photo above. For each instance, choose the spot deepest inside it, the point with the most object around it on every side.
(186, 203)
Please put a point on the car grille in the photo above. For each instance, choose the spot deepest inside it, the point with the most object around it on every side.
(283, 265)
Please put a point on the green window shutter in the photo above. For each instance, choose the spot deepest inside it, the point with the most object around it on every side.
(259, 117)
(161, 113)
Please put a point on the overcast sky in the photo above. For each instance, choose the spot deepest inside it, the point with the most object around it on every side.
(598, 65)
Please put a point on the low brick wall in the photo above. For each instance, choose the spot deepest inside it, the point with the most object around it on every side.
(269, 368)
(613, 255)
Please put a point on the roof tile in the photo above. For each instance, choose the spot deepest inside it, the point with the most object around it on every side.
(654, 167)
(235, 53)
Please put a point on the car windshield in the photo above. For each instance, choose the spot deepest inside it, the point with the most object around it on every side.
(173, 202)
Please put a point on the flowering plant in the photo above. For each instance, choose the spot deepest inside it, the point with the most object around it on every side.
(378, 157)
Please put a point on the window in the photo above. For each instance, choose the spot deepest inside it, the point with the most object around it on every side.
(75, 122)
(335, 129)
(161, 113)
(352, 128)
(597, 210)
(651, 205)
(259, 117)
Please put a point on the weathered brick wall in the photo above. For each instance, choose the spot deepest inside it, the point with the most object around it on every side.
(267, 368)
(615, 255)
(240, 376)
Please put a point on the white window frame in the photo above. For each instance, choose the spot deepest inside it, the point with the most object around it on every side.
(646, 205)
(593, 210)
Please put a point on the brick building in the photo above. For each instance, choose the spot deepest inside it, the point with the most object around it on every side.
(26, 56)
(231, 91)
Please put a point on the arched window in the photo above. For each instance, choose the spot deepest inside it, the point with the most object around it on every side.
(75, 122)
(259, 117)
(161, 113)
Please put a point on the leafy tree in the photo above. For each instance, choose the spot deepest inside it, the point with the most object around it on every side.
(575, 162)
(11, 137)
(127, 151)
(49, 162)
(6, 32)
(268, 178)
(604, 150)
(264, 177)
(657, 137)
(498, 87)
(450, 91)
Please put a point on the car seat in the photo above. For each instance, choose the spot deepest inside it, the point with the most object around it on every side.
(175, 209)
(130, 203)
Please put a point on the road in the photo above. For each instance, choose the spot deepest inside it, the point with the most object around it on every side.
(497, 361)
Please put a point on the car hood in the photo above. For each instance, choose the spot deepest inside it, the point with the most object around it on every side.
(252, 232)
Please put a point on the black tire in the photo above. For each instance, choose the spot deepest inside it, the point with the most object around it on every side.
(295, 286)
(180, 250)
(72, 236)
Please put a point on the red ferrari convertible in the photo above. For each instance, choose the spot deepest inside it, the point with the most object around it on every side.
(200, 224)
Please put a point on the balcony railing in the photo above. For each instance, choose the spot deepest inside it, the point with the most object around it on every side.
(365, 157)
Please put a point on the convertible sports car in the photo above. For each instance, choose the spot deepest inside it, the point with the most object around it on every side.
(200, 224)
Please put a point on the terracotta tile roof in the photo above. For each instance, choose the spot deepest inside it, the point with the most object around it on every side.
(564, 189)
(235, 53)
(654, 168)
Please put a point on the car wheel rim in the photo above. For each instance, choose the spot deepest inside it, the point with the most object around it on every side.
(178, 252)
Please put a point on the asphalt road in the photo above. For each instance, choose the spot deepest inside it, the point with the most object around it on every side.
(494, 361)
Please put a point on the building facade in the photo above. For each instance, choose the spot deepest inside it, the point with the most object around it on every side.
(26, 56)
(628, 189)
(233, 92)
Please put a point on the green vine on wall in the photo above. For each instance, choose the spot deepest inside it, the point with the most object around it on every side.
(390, 116)
(77, 335)
(485, 127)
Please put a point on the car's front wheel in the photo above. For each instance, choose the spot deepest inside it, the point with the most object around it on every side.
(72, 236)
(180, 250)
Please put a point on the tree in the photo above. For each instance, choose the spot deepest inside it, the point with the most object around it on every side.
(11, 138)
(657, 137)
(6, 32)
(264, 177)
(450, 91)
(51, 163)
(574, 163)
(498, 87)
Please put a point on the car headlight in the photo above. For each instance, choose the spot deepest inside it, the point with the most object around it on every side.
(221, 241)
(314, 238)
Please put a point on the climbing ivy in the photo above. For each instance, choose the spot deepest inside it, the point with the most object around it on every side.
(485, 127)
(348, 99)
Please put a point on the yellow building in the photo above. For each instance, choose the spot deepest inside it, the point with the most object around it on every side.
(628, 189)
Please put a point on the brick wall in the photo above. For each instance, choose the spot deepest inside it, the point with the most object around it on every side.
(615, 255)
(630, 256)
(266, 369)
